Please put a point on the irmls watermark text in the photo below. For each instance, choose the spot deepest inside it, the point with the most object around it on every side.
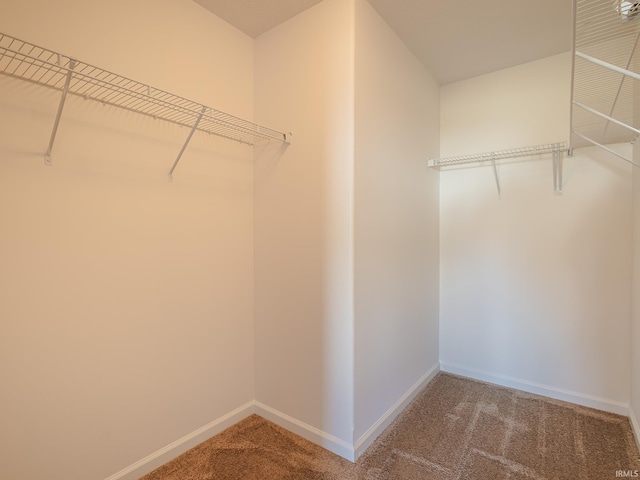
(627, 474)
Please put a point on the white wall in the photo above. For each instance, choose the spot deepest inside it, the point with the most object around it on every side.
(634, 409)
(303, 225)
(535, 287)
(126, 300)
(635, 338)
(396, 223)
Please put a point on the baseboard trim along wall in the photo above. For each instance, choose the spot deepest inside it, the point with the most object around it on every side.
(634, 425)
(171, 451)
(313, 434)
(389, 416)
(585, 400)
(353, 452)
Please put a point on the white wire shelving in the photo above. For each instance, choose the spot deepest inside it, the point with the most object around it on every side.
(29, 62)
(605, 73)
(556, 150)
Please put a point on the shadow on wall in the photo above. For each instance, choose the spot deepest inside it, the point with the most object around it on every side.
(302, 336)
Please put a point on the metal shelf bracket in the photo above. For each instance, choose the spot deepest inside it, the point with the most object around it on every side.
(193, 129)
(495, 174)
(47, 156)
(557, 159)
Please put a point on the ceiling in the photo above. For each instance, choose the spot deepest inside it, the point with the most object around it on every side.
(255, 17)
(454, 40)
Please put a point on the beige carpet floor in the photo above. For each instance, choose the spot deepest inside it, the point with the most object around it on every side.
(455, 429)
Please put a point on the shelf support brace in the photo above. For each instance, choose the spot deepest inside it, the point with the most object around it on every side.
(63, 98)
(495, 174)
(615, 101)
(554, 159)
(605, 148)
(606, 117)
(610, 66)
(184, 147)
(557, 169)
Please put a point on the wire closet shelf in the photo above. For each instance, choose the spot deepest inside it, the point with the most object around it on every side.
(555, 149)
(605, 73)
(29, 62)
(498, 155)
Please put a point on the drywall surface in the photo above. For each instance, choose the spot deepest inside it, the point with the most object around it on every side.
(535, 286)
(635, 339)
(126, 312)
(303, 223)
(396, 220)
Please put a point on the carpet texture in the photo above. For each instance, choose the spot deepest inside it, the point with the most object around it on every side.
(455, 429)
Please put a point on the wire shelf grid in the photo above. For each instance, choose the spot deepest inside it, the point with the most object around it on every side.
(606, 57)
(498, 155)
(47, 68)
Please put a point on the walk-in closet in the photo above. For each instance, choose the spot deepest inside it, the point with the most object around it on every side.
(265, 223)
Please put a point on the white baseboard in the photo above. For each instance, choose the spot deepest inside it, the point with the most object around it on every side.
(585, 400)
(171, 451)
(385, 420)
(635, 426)
(313, 434)
(344, 448)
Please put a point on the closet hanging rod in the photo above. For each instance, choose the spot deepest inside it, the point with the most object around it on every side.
(498, 155)
(29, 62)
